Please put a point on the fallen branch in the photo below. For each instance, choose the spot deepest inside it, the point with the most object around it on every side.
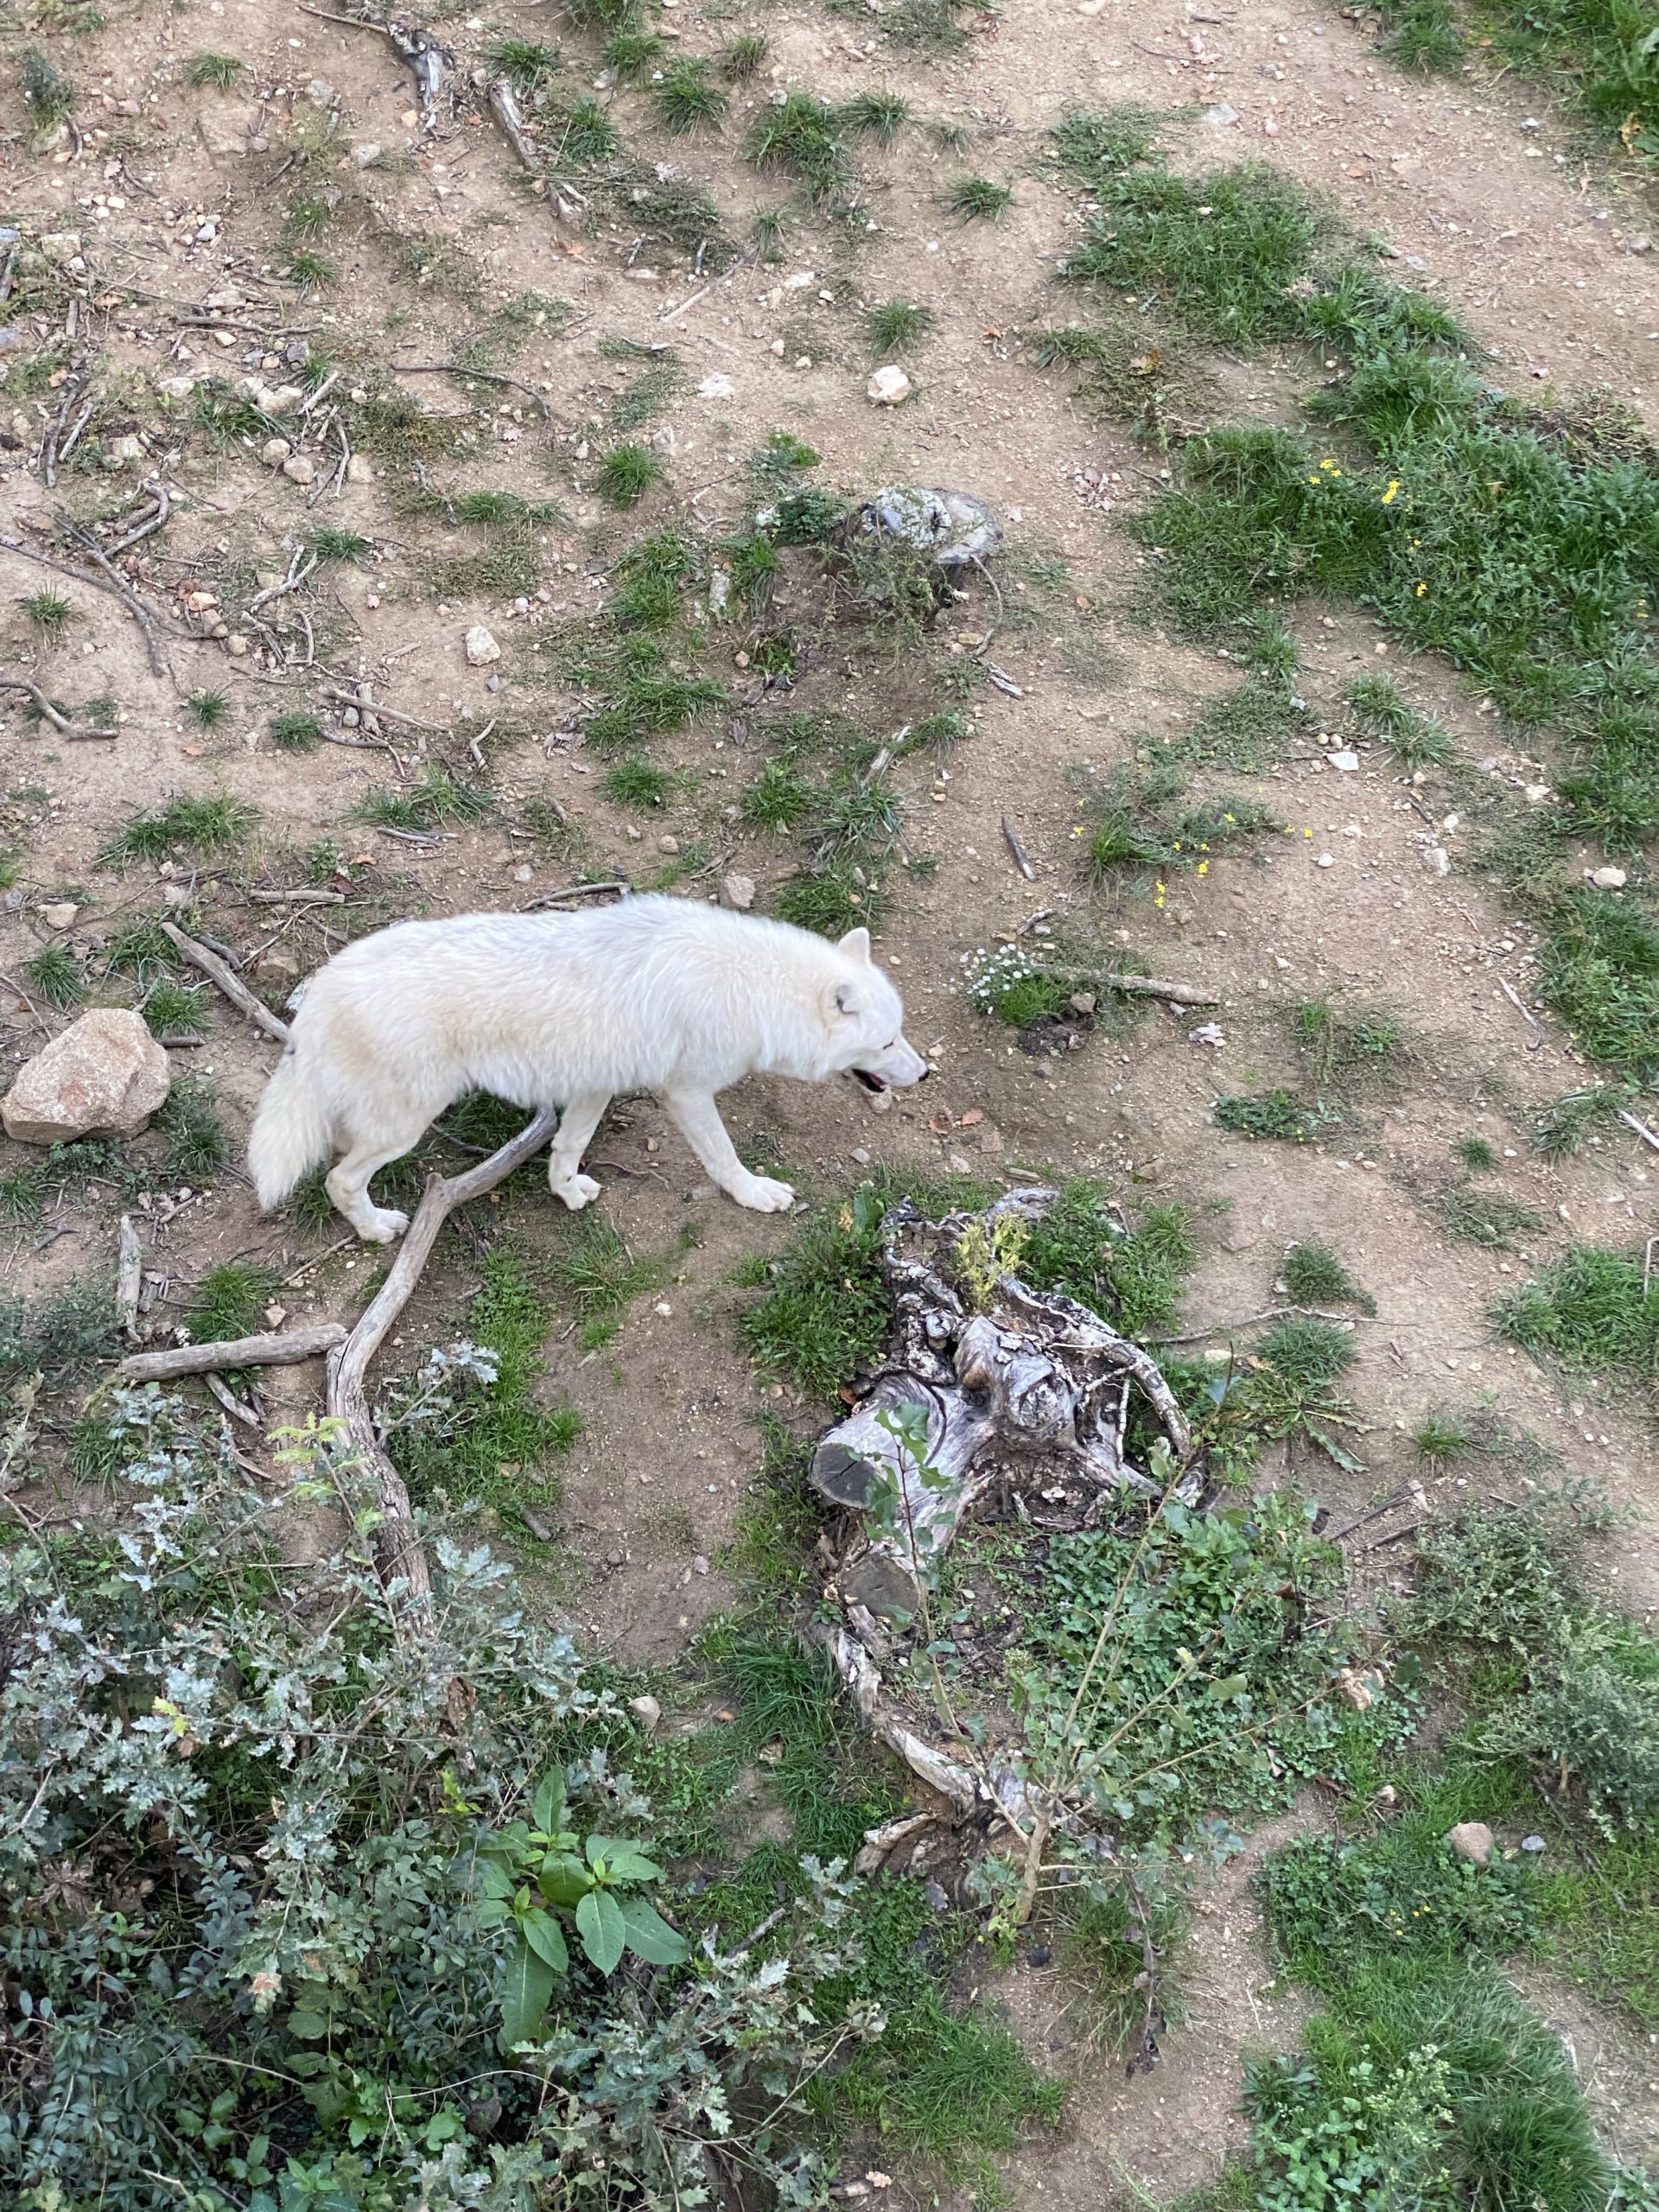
(44, 706)
(234, 989)
(158, 664)
(1022, 859)
(1640, 1127)
(1149, 987)
(129, 600)
(574, 891)
(129, 1278)
(272, 1349)
(398, 1542)
(504, 109)
(483, 376)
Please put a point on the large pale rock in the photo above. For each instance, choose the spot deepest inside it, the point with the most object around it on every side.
(104, 1077)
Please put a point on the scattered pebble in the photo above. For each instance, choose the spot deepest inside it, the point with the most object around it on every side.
(889, 387)
(481, 648)
(1474, 1840)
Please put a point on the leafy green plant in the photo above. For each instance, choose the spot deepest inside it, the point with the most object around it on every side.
(1273, 1114)
(540, 1879)
(1441, 1442)
(1132, 1277)
(50, 97)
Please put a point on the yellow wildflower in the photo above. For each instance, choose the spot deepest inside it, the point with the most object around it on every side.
(1393, 492)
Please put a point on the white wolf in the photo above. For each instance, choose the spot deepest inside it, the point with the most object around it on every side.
(660, 994)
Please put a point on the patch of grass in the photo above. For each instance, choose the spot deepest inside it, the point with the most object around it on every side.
(646, 399)
(897, 327)
(49, 611)
(50, 96)
(310, 269)
(438, 799)
(1313, 1275)
(298, 731)
(183, 825)
(1602, 1909)
(334, 541)
(1597, 53)
(62, 1332)
(802, 135)
(779, 796)
(1143, 819)
(1477, 1153)
(1590, 1310)
(601, 1277)
(1273, 1114)
(219, 71)
(1091, 147)
(1246, 729)
(741, 58)
(1422, 36)
(829, 900)
(197, 1141)
(978, 199)
(230, 1301)
(495, 1445)
(1484, 1217)
(878, 115)
(632, 55)
(823, 1316)
(527, 65)
(1441, 1440)
(687, 99)
(174, 1010)
(640, 783)
(54, 974)
(1133, 1278)
(208, 710)
(777, 464)
(1308, 1352)
(1381, 713)
(1342, 1047)
(626, 474)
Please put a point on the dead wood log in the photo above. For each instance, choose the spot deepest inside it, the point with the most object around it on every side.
(275, 1349)
(233, 988)
(1034, 1388)
(129, 1278)
(397, 1540)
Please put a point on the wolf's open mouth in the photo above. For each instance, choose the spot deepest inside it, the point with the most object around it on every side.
(870, 1082)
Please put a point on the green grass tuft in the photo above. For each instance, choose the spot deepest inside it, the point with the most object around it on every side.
(183, 825)
(209, 710)
(54, 974)
(49, 611)
(230, 1301)
(1589, 1308)
(686, 97)
(298, 731)
(626, 474)
(897, 327)
(438, 799)
(220, 72)
(979, 198)
(1313, 1275)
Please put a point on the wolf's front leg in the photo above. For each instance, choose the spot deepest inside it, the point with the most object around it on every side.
(696, 1117)
(576, 1126)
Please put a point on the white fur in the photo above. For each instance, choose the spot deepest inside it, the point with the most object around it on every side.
(667, 995)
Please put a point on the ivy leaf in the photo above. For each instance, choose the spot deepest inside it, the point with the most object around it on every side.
(307, 2026)
(525, 1989)
(604, 1932)
(649, 1935)
(546, 1938)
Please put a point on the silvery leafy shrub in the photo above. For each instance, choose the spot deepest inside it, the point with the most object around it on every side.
(245, 1797)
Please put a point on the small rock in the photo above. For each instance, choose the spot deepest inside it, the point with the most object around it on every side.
(668, 844)
(699, 1565)
(1641, 243)
(481, 648)
(542, 1526)
(60, 246)
(175, 387)
(105, 1076)
(1081, 1002)
(1356, 1689)
(645, 1710)
(60, 916)
(1537, 793)
(1221, 115)
(717, 387)
(936, 1896)
(861, 1153)
(889, 387)
(737, 892)
(1347, 762)
(1474, 1840)
(1326, 860)
(236, 645)
(358, 470)
(200, 602)
(320, 93)
(123, 452)
(227, 130)
(1535, 1844)
(274, 453)
(1207, 1032)
(1609, 878)
(1437, 861)
(300, 468)
(362, 156)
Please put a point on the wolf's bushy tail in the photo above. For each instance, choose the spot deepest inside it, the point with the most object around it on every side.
(291, 1132)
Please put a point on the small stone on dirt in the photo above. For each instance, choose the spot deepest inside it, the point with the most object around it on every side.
(273, 453)
(1080, 1002)
(358, 470)
(1609, 878)
(1348, 762)
(227, 130)
(1474, 1840)
(1438, 861)
(1221, 115)
(104, 1077)
(737, 892)
(717, 387)
(645, 1710)
(481, 648)
(889, 387)
(668, 844)
(60, 915)
(300, 468)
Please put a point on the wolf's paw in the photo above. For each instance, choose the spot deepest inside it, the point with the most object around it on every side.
(762, 1195)
(577, 1190)
(381, 1226)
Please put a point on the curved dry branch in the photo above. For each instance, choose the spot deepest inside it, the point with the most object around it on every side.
(397, 1540)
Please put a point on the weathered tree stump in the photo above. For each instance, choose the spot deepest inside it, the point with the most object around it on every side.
(1036, 1387)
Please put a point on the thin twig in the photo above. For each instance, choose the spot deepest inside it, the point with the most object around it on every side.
(574, 891)
(1022, 859)
(484, 376)
(233, 988)
(157, 659)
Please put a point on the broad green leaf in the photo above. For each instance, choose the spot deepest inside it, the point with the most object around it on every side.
(563, 1879)
(604, 1932)
(650, 1937)
(1229, 1686)
(624, 1861)
(307, 2026)
(493, 1880)
(548, 1810)
(546, 1938)
(525, 1988)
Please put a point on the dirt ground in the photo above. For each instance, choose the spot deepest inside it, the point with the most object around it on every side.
(1475, 185)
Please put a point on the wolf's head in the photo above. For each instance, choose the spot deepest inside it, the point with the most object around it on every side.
(866, 1021)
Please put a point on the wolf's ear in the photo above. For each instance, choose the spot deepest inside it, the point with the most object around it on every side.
(857, 946)
(843, 999)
